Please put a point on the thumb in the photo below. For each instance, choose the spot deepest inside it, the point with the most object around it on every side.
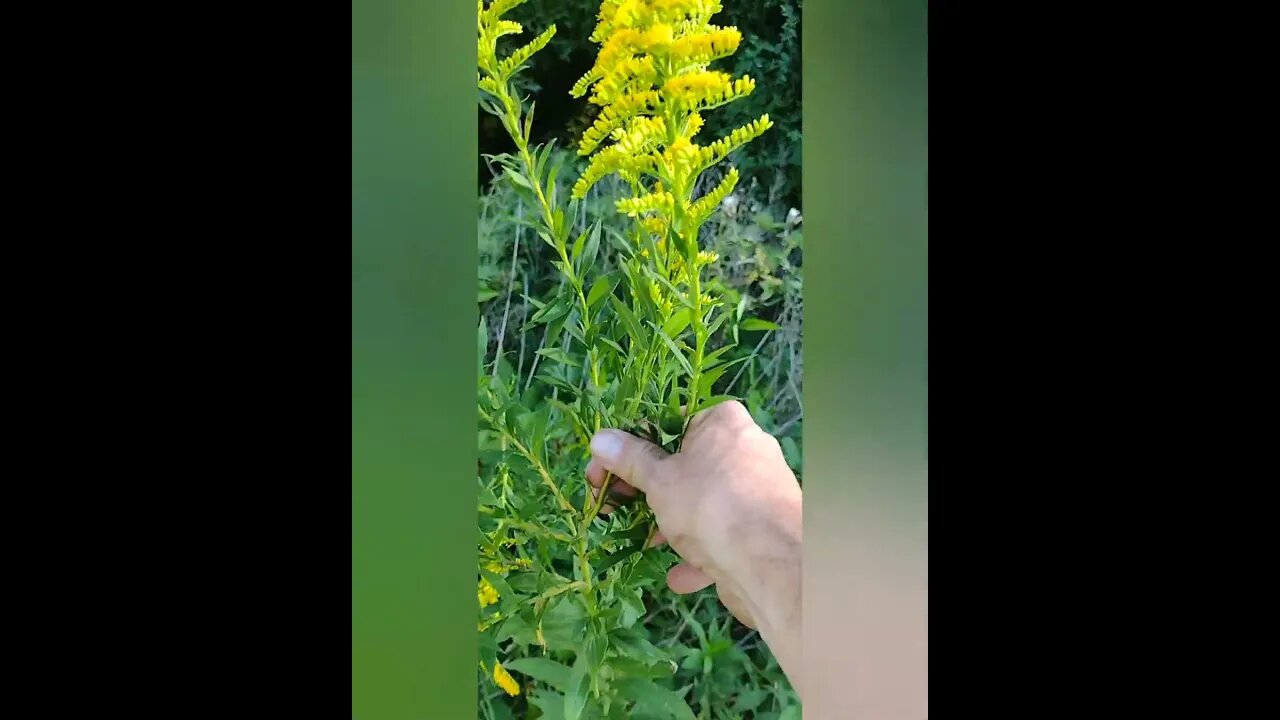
(685, 578)
(630, 458)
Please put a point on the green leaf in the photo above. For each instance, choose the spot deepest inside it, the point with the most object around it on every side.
(486, 294)
(562, 231)
(675, 350)
(602, 286)
(630, 643)
(607, 341)
(563, 624)
(634, 668)
(653, 698)
(618, 241)
(628, 318)
(758, 324)
(616, 558)
(558, 355)
(677, 322)
(632, 606)
(593, 245)
(556, 327)
(710, 359)
(709, 376)
(714, 325)
(714, 401)
(482, 346)
(749, 700)
(791, 452)
(792, 712)
(556, 308)
(499, 584)
(528, 122)
(519, 179)
(488, 499)
(541, 669)
(551, 705)
(538, 431)
(577, 248)
(576, 686)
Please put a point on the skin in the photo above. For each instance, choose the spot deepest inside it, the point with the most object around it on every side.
(730, 506)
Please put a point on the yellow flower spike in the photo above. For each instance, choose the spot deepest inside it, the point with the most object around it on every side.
(656, 226)
(652, 202)
(707, 204)
(655, 292)
(487, 593)
(498, 8)
(503, 679)
(693, 125)
(651, 78)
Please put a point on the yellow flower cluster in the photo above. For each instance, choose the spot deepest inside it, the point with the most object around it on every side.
(490, 25)
(660, 298)
(651, 78)
(705, 90)
(500, 568)
(503, 679)
(487, 593)
(707, 204)
(660, 202)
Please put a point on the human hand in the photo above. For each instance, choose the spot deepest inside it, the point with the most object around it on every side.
(727, 503)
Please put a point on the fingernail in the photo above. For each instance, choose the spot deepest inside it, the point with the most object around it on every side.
(606, 445)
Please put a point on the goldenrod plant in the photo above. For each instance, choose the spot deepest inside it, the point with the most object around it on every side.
(628, 341)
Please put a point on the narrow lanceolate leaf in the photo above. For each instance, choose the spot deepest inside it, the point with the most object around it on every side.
(714, 325)
(575, 697)
(552, 312)
(758, 324)
(576, 251)
(628, 318)
(617, 557)
(592, 246)
(714, 401)
(482, 345)
(557, 355)
(607, 341)
(675, 350)
(710, 376)
(519, 179)
(677, 322)
(602, 286)
(538, 431)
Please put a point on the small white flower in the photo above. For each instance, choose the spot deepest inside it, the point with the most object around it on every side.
(794, 218)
